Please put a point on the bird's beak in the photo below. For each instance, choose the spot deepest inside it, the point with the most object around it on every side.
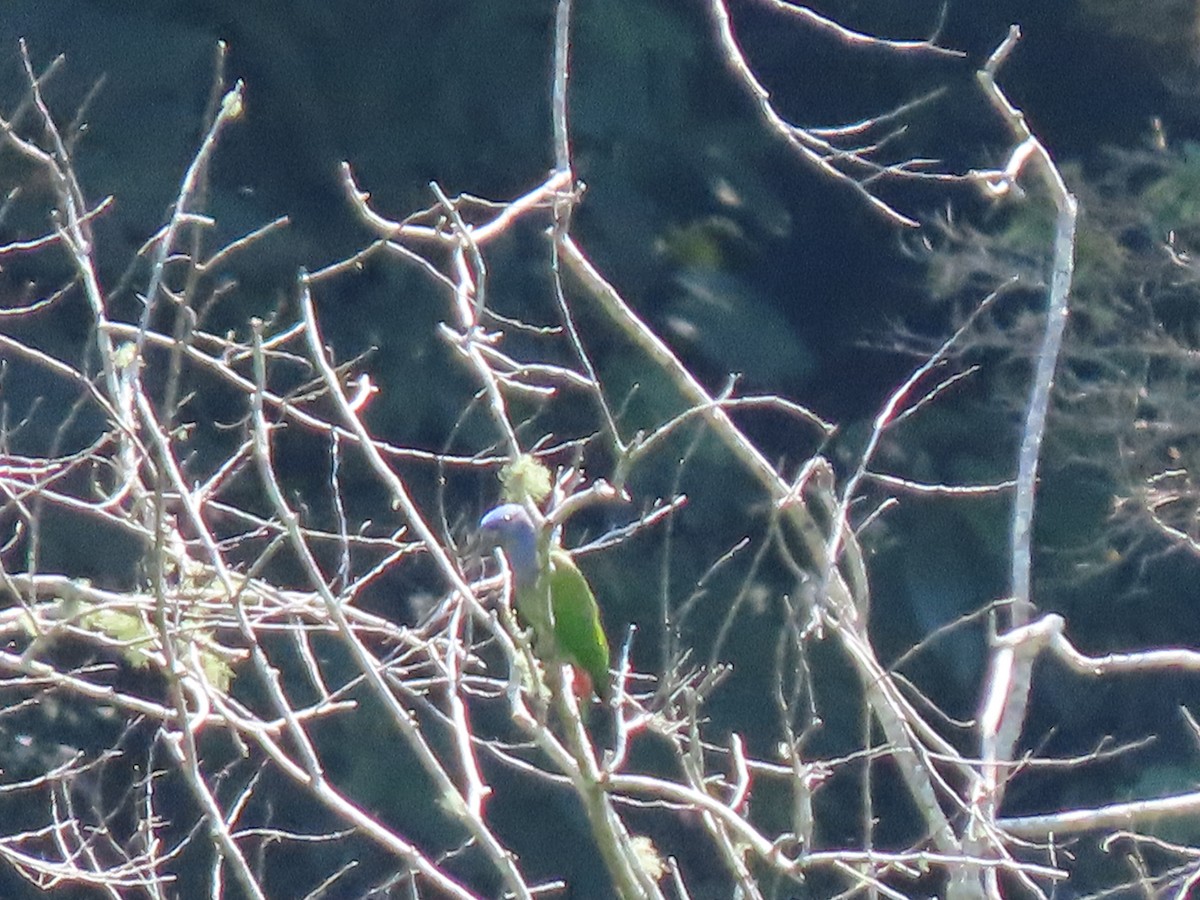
(475, 547)
(478, 548)
(473, 551)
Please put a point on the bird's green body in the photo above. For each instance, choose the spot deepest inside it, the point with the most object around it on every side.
(577, 629)
(552, 596)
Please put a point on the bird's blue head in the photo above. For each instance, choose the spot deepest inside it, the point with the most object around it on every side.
(509, 527)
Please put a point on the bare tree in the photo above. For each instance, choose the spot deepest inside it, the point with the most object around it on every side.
(220, 669)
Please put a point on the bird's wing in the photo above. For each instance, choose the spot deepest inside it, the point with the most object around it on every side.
(577, 628)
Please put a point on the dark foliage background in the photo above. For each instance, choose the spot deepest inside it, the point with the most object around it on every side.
(744, 259)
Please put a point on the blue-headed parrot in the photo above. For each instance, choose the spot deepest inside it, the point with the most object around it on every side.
(551, 595)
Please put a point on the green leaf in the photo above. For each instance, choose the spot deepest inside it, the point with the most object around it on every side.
(131, 630)
(525, 478)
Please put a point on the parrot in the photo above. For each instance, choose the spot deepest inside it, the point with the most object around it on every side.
(551, 595)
